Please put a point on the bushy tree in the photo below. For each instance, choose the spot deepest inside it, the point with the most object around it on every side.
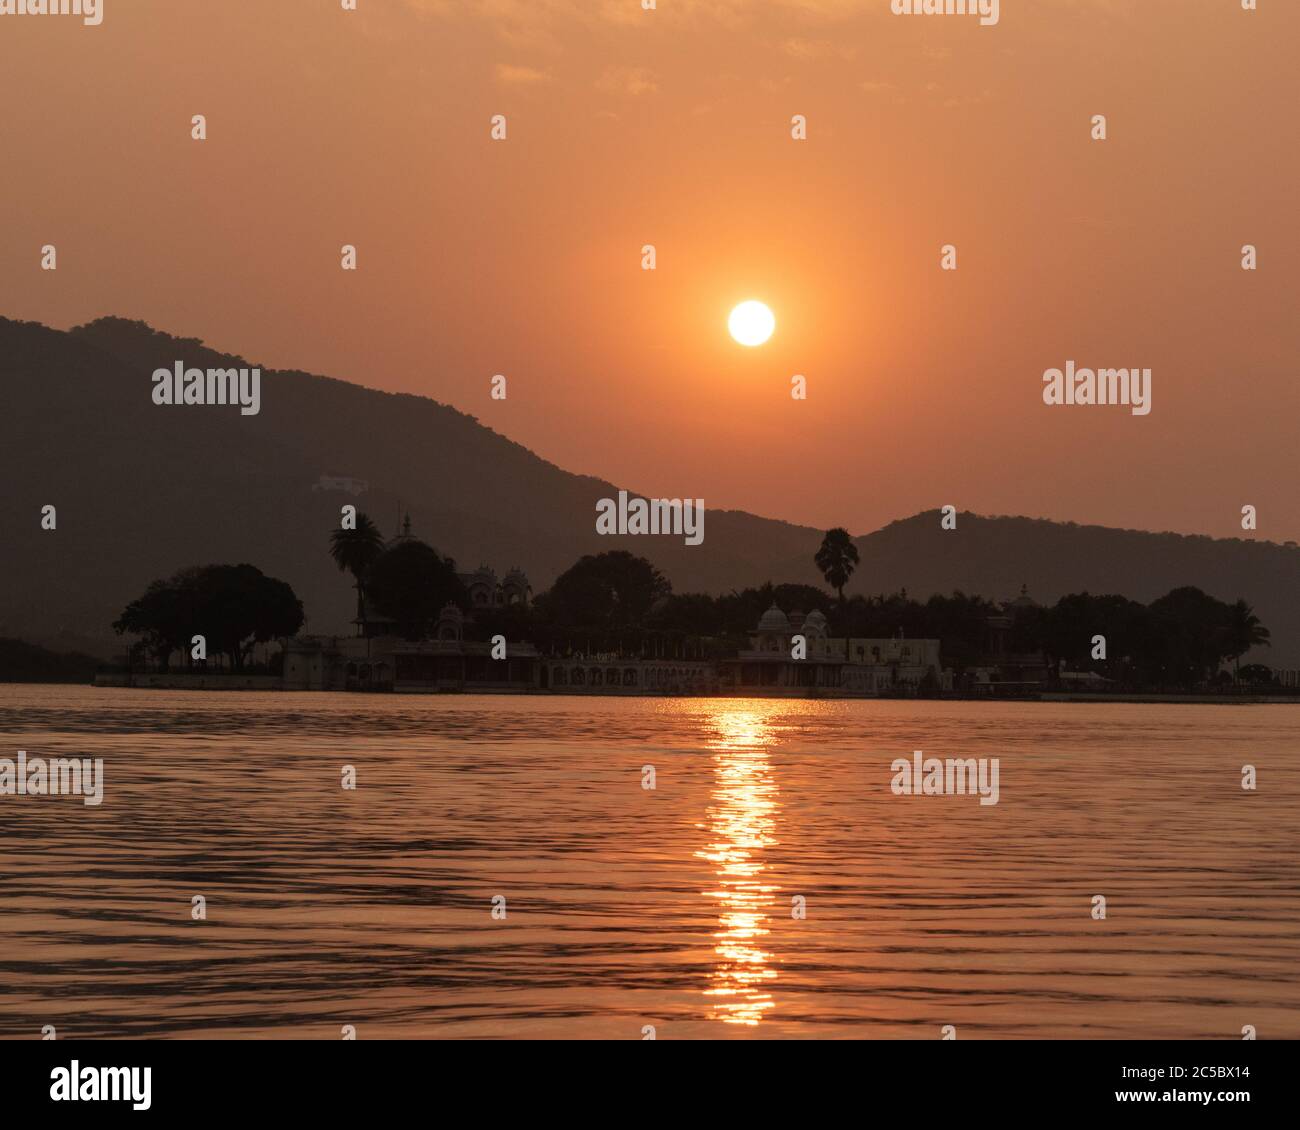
(605, 591)
(231, 606)
(411, 582)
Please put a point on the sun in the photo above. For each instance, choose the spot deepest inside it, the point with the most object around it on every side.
(751, 323)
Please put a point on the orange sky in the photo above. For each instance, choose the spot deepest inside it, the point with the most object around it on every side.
(672, 127)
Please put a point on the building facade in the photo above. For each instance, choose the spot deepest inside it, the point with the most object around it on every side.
(1005, 667)
(830, 665)
(620, 675)
(787, 655)
(447, 662)
(485, 591)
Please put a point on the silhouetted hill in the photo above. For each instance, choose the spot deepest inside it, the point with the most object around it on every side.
(26, 663)
(995, 556)
(143, 490)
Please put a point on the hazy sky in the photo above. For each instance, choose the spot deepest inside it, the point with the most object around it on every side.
(672, 127)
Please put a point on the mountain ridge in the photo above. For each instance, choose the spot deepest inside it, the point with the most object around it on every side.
(143, 490)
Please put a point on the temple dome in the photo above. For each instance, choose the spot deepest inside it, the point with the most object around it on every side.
(403, 534)
(1024, 600)
(774, 620)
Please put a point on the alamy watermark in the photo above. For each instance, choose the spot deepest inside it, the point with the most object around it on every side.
(91, 11)
(1102, 386)
(60, 776)
(102, 1084)
(684, 517)
(987, 10)
(179, 385)
(953, 776)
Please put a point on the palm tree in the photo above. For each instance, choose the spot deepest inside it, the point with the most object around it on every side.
(1244, 631)
(837, 559)
(354, 551)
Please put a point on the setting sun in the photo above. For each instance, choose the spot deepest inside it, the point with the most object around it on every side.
(751, 323)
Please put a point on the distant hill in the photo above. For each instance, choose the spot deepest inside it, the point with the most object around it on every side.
(995, 556)
(26, 663)
(143, 490)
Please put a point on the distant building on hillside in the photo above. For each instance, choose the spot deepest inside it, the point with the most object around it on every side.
(346, 483)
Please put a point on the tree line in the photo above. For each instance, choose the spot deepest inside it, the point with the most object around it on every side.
(617, 601)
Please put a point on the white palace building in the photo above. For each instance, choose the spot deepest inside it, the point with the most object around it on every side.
(834, 666)
(447, 662)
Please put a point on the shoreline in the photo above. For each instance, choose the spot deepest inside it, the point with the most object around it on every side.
(272, 684)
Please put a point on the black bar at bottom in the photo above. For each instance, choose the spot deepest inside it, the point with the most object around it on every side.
(1237, 1080)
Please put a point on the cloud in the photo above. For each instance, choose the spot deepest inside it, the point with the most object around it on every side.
(810, 50)
(628, 80)
(886, 90)
(508, 74)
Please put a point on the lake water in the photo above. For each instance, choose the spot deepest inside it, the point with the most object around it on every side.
(626, 906)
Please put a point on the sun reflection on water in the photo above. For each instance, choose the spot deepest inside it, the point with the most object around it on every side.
(741, 822)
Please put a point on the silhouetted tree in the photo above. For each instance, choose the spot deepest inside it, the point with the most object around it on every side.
(1187, 631)
(411, 582)
(232, 606)
(355, 551)
(960, 623)
(1256, 675)
(605, 591)
(837, 558)
(239, 606)
(158, 618)
(1242, 632)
